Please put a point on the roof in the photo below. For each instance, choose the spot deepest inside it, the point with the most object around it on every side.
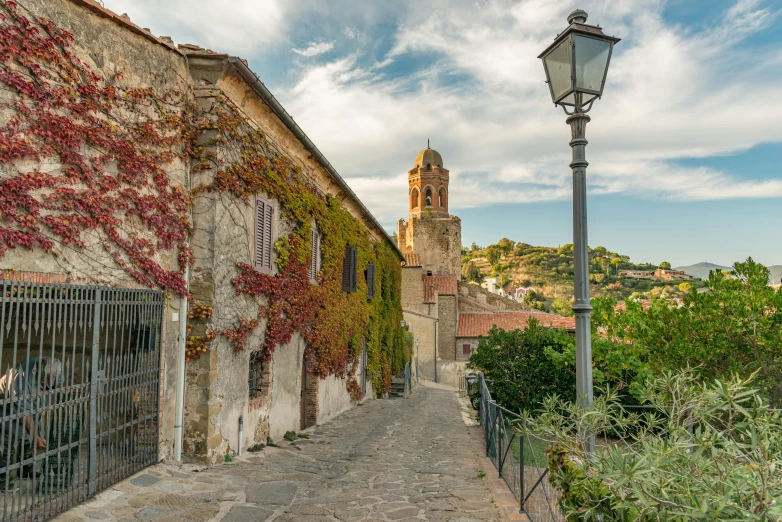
(429, 156)
(476, 324)
(412, 259)
(439, 284)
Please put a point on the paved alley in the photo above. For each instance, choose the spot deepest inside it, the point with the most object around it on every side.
(390, 460)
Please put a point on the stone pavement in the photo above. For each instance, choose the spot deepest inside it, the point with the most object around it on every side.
(387, 460)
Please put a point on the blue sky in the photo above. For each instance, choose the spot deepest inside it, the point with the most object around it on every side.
(683, 146)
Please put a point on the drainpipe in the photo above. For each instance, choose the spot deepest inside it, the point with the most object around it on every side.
(241, 435)
(180, 371)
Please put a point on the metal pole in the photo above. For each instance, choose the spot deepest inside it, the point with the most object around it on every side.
(582, 306)
(521, 474)
(179, 407)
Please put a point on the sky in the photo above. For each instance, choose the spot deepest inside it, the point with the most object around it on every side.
(683, 147)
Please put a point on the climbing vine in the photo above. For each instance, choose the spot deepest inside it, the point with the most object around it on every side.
(332, 322)
(115, 147)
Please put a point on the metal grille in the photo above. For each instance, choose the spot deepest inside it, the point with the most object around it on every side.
(515, 455)
(79, 390)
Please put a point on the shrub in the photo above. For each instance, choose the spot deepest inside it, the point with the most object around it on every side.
(712, 453)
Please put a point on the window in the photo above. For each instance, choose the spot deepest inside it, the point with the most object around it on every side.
(443, 202)
(315, 255)
(428, 197)
(264, 219)
(349, 267)
(465, 349)
(414, 198)
(255, 377)
(369, 275)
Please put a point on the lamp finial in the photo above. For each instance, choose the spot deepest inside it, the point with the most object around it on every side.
(578, 16)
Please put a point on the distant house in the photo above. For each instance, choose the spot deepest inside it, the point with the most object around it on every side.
(659, 274)
(473, 325)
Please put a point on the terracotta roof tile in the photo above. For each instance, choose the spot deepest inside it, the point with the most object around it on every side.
(439, 284)
(476, 324)
(412, 259)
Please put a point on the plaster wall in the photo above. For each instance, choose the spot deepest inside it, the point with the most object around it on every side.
(449, 372)
(424, 329)
(333, 398)
(285, 409)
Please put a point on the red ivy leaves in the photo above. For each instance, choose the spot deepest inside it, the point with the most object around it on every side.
(111, 171)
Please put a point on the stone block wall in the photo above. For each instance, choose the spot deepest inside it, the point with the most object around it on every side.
(447, 317)
(438, 242)
(473, 298)
(412, 289)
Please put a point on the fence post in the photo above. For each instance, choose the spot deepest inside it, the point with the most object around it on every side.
(521, 473)
(94, 368)
(499, 442)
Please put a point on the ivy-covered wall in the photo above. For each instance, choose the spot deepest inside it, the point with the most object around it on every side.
(122, 162)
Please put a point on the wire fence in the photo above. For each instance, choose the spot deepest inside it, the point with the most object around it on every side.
(519, 459)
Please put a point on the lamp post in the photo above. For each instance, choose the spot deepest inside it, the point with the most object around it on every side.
(417, 342)
(576, 66)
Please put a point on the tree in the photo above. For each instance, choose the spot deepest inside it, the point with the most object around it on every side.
(563, 307)
(685, 287)
(516, 368)
(471, 272)
(506, 245)
(531, 299)
(616, 262)
(665, 265)
(474, 247)
(493, 254)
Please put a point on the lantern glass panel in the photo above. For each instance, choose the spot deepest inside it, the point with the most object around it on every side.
(557, 64)
(570, 99)
(591, 62)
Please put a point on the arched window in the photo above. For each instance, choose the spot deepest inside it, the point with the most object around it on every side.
(443, 201)
(414, 198)
(428, 197)
(428, 166)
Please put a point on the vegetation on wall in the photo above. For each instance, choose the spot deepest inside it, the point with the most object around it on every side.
(116, 146)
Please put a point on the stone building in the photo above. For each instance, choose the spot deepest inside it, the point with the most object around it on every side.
(437, 305)
(225, 388)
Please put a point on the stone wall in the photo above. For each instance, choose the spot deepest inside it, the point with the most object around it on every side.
(473, 298)
(412, 289)
(438, 242)
(449, 372)
(447, 316)
(108, 48)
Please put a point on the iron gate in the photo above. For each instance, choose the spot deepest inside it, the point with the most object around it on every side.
(79, 391)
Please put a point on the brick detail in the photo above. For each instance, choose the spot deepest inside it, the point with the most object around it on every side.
(309, 402)
(33, 277)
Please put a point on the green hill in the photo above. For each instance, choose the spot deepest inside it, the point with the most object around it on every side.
(549, 271)
(701, 271)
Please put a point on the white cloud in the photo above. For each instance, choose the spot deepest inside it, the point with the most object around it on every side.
(315, 48)
(672, 93)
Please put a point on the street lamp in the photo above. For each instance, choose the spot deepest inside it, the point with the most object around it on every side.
(576, 66)
(417, 342)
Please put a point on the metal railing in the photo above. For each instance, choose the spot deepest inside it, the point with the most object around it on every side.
(518, 460)
(79, 391)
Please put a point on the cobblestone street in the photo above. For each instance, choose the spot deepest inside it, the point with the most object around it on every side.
(403, 459)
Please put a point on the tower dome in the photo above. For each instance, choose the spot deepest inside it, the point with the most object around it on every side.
(428, 157)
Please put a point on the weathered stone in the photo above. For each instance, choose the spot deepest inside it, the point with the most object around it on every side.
(248, 514)
(144, 481)
(276, 493)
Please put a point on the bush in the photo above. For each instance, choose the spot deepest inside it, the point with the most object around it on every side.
(713, 453)
(516, 366)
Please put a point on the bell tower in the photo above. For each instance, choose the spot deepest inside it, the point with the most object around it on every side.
(431, 238)
(428, 185)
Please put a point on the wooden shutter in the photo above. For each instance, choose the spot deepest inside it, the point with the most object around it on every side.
(346, 263)
(353, 269)
(370, 281)
(315, 255)
(264, 219)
